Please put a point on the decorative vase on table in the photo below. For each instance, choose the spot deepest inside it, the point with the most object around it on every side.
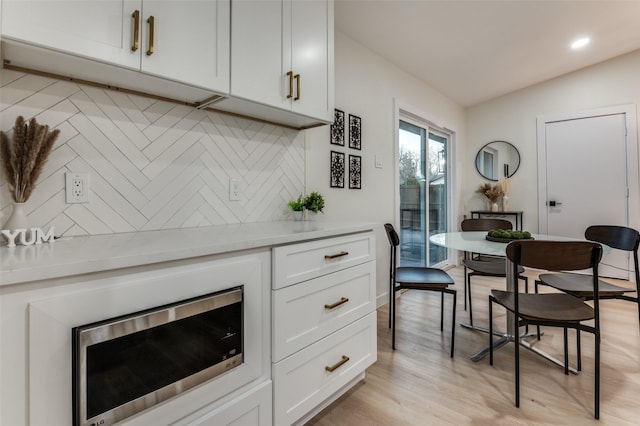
(18, 220)
(495, 207)
(297, 215)
(505, 203)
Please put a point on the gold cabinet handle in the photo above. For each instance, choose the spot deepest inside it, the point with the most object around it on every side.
(297, 77)
(337, 365)
(151, 22)
(136, 30)
(290, 75)
(336, 304)
(333, 256)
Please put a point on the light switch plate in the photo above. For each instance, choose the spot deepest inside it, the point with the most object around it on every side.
(234, 190)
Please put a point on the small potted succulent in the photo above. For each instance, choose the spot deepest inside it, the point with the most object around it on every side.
(314, 202)
(297, 206)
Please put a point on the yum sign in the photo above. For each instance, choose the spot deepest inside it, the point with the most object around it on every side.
(26, 237)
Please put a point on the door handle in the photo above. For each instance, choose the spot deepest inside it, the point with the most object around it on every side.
(151, 22)
(553, 203)
(290, 75)
(136, 30)
(297, 77)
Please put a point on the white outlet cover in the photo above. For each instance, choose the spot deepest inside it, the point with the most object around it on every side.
(77, 193)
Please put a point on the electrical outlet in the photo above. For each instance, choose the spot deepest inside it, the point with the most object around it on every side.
(77, 187)
(234, 190)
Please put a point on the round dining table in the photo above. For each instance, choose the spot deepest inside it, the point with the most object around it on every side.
(477, 242)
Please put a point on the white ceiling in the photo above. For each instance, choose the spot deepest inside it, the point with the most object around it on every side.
(476, 50)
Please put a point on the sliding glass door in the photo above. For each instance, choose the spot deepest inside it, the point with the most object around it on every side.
(423, 192)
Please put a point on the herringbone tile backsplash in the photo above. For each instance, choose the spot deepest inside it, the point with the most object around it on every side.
(152, 164)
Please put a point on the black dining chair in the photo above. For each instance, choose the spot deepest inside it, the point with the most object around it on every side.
(579, 285)
(552, 309)
(486, 266)
(416, 278)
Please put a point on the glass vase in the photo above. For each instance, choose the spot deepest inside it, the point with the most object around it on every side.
(505, 203)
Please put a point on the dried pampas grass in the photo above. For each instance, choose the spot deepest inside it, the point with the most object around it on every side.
(24, 157)
(492, 192)
(505, 185)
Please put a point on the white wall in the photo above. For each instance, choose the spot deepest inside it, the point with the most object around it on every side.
(369, 86)
(513, 118)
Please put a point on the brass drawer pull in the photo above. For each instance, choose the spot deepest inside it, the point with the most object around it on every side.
(336, 304)
(151, 22)
(338, 364)
(136, 30)
(297, 77)
(290, 74)
(333, 256)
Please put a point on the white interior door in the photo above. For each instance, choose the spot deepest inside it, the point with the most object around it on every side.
(587, 168)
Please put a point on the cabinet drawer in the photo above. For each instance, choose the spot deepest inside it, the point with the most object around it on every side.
(300, 262)
(302, 381)
(253, 408)
(309, 311)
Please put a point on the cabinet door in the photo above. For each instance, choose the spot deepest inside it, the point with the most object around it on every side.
(101, 30)
(190, 41)
(256, 52)
(310, 41)
(271, 38)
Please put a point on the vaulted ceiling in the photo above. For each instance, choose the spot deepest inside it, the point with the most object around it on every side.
(476, 50)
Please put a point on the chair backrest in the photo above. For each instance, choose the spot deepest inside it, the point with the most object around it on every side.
(619, 237)
(555, 255)
(485, 224)
(392, 235)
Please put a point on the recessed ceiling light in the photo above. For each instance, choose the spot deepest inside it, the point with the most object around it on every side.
(581, 42)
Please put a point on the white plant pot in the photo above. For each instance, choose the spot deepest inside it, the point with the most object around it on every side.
(18, 220)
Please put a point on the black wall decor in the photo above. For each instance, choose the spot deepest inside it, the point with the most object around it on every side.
(355, 172)
(337, 128)
(355, 132)
(337, 169)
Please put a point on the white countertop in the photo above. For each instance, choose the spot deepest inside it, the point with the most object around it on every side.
(80, 255)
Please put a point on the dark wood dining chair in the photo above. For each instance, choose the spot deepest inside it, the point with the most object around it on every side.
(485, 266)
(552, 309)
(579, 285)
(416, 278)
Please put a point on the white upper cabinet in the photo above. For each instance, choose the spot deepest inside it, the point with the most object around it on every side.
(256, 46)
(282, 55)
(270, 60)
(190, 40)
(308, 48)
(101, 30)
(185, 41)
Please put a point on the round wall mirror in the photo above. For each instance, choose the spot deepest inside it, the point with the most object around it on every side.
(497, 160)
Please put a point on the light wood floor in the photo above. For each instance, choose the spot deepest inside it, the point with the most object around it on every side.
(419, 384)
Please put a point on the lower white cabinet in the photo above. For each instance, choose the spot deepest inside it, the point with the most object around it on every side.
(324, 332)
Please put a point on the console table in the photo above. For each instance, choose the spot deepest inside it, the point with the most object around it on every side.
(488, 213)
